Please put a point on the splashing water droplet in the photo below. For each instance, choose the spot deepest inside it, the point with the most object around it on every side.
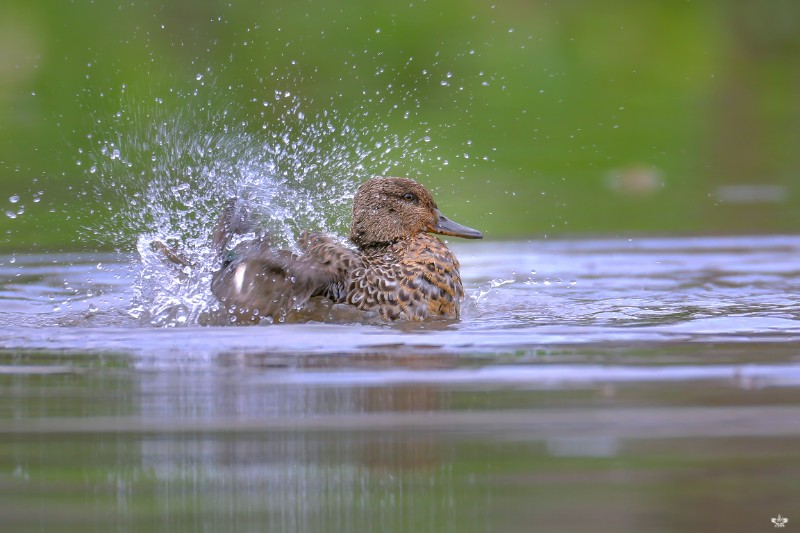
(183, 163)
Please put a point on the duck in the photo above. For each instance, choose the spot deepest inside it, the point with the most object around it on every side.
(391, 267)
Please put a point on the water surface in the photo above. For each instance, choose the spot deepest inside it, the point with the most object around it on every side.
(642, 384)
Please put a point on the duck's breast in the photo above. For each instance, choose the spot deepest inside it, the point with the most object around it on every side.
(415, 279)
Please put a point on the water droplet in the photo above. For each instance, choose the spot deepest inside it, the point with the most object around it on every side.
(198, 77)
(93, 169)
(11, 214)
(14, 199)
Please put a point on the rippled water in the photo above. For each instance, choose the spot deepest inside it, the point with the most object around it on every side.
(648, 383)
(521, 296)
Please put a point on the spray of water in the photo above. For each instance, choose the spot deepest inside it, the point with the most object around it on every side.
(165, 167)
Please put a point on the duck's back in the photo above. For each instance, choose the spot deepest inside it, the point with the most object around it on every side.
(412, 279)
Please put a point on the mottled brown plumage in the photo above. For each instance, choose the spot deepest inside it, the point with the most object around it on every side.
(397, 270)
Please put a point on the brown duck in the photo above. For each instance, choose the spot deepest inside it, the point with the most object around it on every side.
(395, 269)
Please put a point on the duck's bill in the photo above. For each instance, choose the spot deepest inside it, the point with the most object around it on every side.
(445, 226)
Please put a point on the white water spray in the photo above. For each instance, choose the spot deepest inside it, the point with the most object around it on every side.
(166, 168)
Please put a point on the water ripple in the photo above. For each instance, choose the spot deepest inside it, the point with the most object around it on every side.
(520, 296)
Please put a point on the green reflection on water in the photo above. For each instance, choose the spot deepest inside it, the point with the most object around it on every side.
(333, 482)
(90, 442)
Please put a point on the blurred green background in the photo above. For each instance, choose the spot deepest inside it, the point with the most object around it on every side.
(571, 117)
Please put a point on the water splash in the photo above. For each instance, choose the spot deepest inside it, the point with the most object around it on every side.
(164, 168)
(16, 208)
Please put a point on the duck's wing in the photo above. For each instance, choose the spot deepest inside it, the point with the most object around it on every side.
(173, 255)
(258, 280)
(234, 220)
(332, 257)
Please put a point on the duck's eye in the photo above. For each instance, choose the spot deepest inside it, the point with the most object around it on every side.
(410, 196)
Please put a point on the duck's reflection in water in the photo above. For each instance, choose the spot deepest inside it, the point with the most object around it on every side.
(255, 449)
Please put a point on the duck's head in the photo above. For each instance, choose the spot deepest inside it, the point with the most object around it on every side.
(389, 209)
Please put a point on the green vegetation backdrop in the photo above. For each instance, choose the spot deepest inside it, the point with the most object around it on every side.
(537, 118)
